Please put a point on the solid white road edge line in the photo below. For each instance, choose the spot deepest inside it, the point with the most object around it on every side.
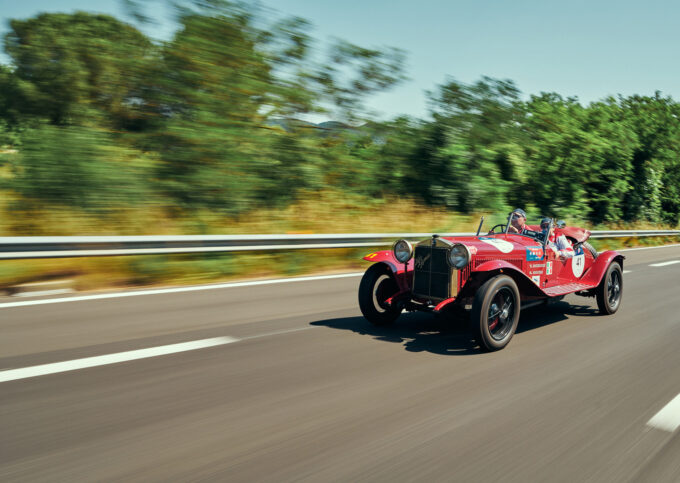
(174, 290)
(668, 418)
(58, 291)
(626, 271)
(53, 368)
(663, 264)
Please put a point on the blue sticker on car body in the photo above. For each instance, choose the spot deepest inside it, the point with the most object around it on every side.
(534, 253)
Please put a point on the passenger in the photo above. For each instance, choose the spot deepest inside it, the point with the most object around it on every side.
(558, 243)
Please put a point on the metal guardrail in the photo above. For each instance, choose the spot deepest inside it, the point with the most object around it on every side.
(633, 233)
(97, 246)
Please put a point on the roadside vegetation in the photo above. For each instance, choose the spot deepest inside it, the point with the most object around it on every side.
(105, 131)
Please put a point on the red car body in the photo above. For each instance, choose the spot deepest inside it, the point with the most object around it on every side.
(428, 282)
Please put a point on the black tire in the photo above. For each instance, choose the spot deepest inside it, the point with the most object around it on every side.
(377, 285)
(587, 246)
(610, 291)
(493, 331)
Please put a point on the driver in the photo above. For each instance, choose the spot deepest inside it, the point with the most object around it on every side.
(518, 219)
(558, 243)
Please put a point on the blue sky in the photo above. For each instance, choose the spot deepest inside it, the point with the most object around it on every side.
(588, 49)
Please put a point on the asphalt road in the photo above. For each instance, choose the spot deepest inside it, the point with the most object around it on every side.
(305, 389)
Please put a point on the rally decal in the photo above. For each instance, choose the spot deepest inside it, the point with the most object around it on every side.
(536, 268)
(534, 253)
(536, 279)
(577, 264)
(548, 268)
(502, 245)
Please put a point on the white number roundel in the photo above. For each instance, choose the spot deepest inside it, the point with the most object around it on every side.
(577, 264)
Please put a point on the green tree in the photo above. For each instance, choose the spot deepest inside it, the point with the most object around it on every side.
(78, 167)
(573, 153)
(212, 87)
(72, 67)
(468, 158)
(654, 179)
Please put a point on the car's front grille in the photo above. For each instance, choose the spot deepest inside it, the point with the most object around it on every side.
(431, 272)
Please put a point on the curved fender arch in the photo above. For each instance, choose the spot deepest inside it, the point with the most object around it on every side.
(401, 273)
(527, 287)
(594, 275)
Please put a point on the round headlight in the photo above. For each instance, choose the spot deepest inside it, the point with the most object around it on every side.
(403, 251)
(459, 256)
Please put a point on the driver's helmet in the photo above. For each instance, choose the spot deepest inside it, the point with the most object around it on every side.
(545, 224)
(545, 228)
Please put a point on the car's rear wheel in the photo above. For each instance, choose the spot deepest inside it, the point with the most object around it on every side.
(610, 290)
(377, 285)
(495, 313)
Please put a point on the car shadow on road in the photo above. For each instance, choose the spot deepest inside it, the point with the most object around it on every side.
(417, 332)
(447, 335)
(541, 316)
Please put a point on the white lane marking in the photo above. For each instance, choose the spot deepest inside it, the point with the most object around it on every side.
(277, 332)
(626, 271)
(647, 248)
(53, 368)
(174, 290)
(663, 264)
(668, 418)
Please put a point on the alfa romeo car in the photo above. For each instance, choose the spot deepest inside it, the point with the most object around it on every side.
(491, 276)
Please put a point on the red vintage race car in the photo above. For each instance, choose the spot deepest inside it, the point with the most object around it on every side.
(491, 276)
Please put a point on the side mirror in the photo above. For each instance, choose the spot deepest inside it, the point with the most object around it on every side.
(561, 224)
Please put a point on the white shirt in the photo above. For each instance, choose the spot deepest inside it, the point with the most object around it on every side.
(561, 246)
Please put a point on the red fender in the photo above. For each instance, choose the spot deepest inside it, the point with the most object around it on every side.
(594, 275)
(401, 273)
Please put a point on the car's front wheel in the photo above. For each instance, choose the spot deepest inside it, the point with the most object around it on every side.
(610, 290)
(377, 285)
(495, 313)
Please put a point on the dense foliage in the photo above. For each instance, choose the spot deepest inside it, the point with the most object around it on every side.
(97, 117)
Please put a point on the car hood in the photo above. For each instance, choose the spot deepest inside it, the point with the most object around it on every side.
(497, 246)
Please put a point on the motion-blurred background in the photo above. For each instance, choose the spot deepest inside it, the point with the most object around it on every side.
(238, 118)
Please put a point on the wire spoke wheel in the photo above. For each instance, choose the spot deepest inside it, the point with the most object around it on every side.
(501, 313)
(495, 312)
(610, 291)
(614, 288)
